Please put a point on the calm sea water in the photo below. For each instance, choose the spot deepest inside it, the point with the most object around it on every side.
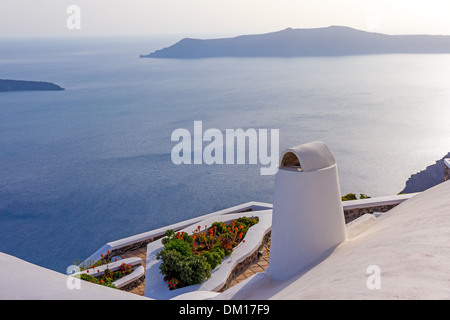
(92, 164)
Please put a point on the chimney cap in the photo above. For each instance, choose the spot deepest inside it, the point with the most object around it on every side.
(307, 157)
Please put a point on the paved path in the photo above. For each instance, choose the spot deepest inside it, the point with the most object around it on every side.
(258, 266)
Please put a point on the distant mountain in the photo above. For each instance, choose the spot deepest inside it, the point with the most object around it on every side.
(330, 41)
(423, 180)
(19, 85)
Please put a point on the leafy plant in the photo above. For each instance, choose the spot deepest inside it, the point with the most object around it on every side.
(349, 196)
(189, 259)
(214, 256)
(181, 270)
(108, 276)
(180, 246)
(352, 196)
(89, 278)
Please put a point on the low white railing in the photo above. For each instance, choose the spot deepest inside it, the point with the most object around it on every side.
(157, 233)
(447, 162)
(253, 205)
(375, 202)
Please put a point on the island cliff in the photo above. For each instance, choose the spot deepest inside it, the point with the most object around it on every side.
(425, 179)
(330, 41)
(19, 85)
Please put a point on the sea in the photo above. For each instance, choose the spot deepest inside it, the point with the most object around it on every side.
(92, 164)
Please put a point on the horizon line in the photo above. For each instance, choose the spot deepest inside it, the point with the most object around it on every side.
(80, 35)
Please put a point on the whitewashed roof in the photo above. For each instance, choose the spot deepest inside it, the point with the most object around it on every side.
(409, 246)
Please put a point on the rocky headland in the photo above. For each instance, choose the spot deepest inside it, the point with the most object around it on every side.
(21, 85)
(329, 41)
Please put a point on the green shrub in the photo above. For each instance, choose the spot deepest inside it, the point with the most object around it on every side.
(189, 259)
(169, 235)
(108, 273)
(179, 245)
(108, 277)
(195, 271)
(171, 262)
(89, 278)
(214, 257)
(104, 281)
(221, 227)
(352, 196)
(349, 196)
(247, 222)
(185, 270)
(107, 281)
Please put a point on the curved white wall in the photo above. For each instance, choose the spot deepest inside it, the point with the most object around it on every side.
(308, 218)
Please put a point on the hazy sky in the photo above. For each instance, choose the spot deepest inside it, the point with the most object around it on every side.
(220, 17)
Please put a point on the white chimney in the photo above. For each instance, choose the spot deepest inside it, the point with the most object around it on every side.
(308, 218)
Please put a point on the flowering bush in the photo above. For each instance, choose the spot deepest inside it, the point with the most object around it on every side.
(189, 259)
(124, 269)
(108, 276)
